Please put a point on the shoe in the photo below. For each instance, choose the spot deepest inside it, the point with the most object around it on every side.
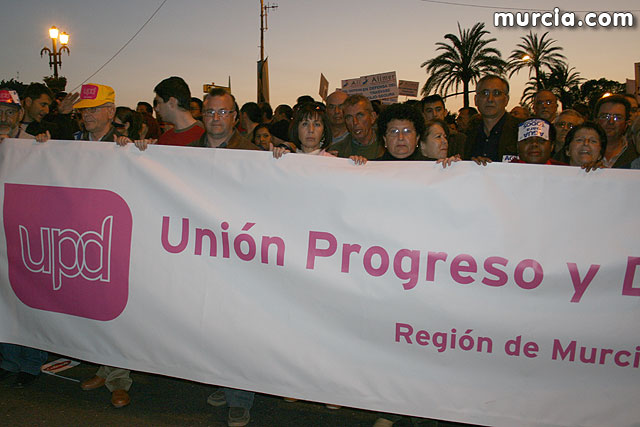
(238, 417)
(334, 407)
(24, 379)
(92, 383)
(217, 398)
(120, 398)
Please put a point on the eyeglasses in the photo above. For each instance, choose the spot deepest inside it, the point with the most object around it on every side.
(222, 113)
(395, 132)
(91, 110)
(607, 116)
(495, 92)
(565, 125)
(118, 125)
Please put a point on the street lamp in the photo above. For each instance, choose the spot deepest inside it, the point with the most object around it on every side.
(55, 55)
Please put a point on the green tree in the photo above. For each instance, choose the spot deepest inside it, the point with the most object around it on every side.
(537, 54)
(462, 61)
(592, 90)
(56, 84)
(562, 81)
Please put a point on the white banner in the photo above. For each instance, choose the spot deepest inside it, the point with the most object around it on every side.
(499, 295)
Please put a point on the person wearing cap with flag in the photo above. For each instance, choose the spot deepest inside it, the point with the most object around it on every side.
(536, 138)
(97, 108)
(11, 113)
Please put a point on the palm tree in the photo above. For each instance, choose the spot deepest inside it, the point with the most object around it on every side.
(463, 61)
(536, 54)
(562, 80)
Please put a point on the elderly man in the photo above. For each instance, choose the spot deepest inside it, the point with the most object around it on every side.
(11, 113)
(339, 129)
(493, 135)
(613, 113)
(545, 105)
(565, 121)
(97, 108)
(433, 108)
(360, 119)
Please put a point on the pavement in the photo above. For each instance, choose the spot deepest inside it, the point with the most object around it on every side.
(158, 400)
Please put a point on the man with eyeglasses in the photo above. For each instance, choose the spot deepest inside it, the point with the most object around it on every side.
(220, 113)
(173, 103)
(545, 105)
(36, 101)
(493, 134)
(612, 113)
(565, 121)
(97, 109)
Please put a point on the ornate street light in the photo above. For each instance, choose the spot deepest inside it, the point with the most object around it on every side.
(55, 55)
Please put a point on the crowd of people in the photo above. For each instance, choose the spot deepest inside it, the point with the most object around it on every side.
(347, 126)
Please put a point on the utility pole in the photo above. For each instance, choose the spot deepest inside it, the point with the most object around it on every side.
(263, 72)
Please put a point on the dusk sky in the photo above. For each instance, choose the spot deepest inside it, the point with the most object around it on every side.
(207, 41)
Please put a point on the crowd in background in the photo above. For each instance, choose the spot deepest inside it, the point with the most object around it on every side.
(347, 126)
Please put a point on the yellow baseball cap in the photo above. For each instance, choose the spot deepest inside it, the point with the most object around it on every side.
(94, 95)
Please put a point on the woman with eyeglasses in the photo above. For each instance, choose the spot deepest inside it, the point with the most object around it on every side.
(402, 128)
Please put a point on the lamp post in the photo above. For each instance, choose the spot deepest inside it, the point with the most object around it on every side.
(55, 55)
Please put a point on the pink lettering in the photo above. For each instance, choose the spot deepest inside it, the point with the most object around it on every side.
(627, 286)
(384, 261)
(501, 276)
(537, 276)
(412, 274)
(581, 286)
(457, 267)
(313, 250)
(165, 236)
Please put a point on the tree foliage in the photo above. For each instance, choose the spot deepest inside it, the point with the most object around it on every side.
(561, 80)
(462, 61)
(537, 54)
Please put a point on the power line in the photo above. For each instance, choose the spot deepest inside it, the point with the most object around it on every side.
(122, 48)
(480, 6)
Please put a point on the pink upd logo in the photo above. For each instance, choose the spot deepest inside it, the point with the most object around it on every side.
(89, 92)
(68, 249)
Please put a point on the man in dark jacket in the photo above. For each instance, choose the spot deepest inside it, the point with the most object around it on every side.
(36, 100)
(493, 135)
